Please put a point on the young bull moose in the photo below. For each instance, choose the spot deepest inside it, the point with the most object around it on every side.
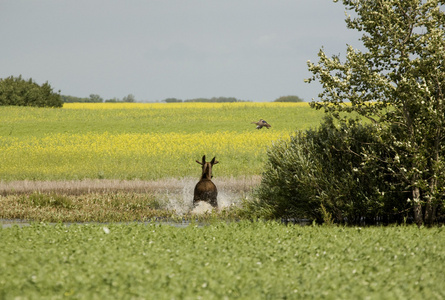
(205, 189)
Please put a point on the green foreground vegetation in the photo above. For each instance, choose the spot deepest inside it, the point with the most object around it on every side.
(244, 260)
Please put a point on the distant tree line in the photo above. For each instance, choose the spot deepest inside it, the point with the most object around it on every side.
(211, 100)
(288, 99)
(21, 92)
(95, 98)
(72, 99)
(18, 91)
(231, 99)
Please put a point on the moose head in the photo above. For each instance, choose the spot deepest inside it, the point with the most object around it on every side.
(207, 167)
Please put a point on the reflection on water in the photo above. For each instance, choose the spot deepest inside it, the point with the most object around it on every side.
(9, 223)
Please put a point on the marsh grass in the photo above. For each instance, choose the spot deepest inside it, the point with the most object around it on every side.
(118, 201)
(93, 207)
(78, 187)
(47, 200)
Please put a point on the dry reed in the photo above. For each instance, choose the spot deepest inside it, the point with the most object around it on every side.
(79, 187)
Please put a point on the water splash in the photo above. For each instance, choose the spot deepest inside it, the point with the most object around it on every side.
(181, 201)
(202, 208)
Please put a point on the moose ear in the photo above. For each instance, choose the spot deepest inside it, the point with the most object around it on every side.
(214, 162)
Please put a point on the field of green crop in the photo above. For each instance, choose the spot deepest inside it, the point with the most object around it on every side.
(142, 141)
(245, 260)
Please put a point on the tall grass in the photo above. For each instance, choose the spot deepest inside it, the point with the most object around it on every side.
(117, 200)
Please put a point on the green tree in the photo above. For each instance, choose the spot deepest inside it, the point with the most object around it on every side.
(130, 98)
(113, 100)
(172, 100)
(96, 98)
(288, 99)
(21, 92)
(73, 99)
(397, 84)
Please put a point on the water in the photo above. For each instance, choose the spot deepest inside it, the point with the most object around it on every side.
(182, 202)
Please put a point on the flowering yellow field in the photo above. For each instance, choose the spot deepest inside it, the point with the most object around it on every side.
(135, 140)
(132, 155)
(181, 105)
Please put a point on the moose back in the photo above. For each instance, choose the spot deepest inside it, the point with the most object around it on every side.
(205, 189)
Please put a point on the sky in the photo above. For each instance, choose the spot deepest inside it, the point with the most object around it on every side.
(254, 50)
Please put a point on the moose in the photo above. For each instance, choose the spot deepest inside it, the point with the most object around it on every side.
(205, 189)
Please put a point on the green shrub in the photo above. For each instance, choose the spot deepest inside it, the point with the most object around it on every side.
(21, 92)
(320, 173)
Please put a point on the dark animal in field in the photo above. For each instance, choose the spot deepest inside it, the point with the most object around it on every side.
(262, 123)
(205, 189)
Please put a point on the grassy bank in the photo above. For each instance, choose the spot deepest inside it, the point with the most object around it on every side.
(117, 200)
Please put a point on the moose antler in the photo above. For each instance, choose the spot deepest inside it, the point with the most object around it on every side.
(214, 162)
(203, 160)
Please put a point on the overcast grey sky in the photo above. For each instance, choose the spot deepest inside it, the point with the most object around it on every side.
(155, 49)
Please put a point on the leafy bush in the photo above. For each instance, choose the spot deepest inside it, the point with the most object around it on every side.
(320, 172)
(21, 92)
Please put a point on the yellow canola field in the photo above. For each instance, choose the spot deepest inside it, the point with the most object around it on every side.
(141, 144)
(142, 140)
(181, 105)
(132, 155)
